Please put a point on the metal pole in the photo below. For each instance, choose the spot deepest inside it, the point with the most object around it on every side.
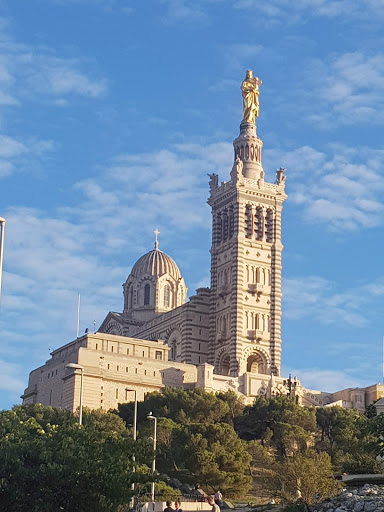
(134, 432)
(154, 453)
(2, 224)
(78, 315)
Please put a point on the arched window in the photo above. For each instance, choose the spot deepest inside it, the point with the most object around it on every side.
(225, 225)
(130, 298)
(269, 226)
(231, 223)
(225, 362)
(248, 221)
(219, 222)
(147, 289)
(167, 293)
(259, 223)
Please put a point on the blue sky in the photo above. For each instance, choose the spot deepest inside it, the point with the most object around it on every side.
(112, 113)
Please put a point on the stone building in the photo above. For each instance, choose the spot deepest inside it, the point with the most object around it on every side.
(227, 336)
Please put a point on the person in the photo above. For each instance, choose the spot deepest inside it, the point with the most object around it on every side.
(218, 498)
(215, 507)
(250, 93)
(169, 508)
(178, 506)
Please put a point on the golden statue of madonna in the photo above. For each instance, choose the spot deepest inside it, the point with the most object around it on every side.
(250, 93)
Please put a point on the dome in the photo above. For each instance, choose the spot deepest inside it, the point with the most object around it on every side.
(155, 263)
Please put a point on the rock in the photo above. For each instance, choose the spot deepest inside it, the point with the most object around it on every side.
(359, 506)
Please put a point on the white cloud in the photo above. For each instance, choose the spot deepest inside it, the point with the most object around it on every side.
(28, 72)
(10, 377)
(16, 155)
(344, 89)
(190, 14)
(326, 380)
(322, 301)
(285, 10)
(35, 71)
(59, 78)
(49, 259)
(342, 187)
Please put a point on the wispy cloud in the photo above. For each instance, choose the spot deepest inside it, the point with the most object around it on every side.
(189, 13)
(52, 255)
(124, 6)
(153, 188)
(11, 378)
(326, 380)
(341, 187)
(322, 300)
(348, 88)
(238, 56)
(300, 10)
(16, 156)
(35, 71)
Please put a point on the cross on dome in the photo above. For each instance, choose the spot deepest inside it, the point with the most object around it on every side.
(156, 242)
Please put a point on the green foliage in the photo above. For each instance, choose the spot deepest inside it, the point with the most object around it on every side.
(184, 421)
(163, 492)
(278, 421)
(214, 455)
(357, 463)
(307, 477)
(376, 428)
(235, 405)
(370, 411)
(49, 463)
(345, 435)
(185, 406)
(339, 428)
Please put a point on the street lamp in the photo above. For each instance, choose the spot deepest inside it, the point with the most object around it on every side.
(75, 366)
(134, 431)
(151, 417)
(2, 224)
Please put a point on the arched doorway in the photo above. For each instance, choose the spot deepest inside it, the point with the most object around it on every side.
(256, 363)
(225, 363)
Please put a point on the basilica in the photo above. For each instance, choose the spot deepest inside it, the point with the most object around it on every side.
(227, 336)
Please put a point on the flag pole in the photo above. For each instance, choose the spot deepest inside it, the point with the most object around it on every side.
(78, 315)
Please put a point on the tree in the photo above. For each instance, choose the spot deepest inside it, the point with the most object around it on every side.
(235, 404)
(179, 405)
(278, 421)
(345, 435)
(48, 462)
(215, 456)
(306, 476)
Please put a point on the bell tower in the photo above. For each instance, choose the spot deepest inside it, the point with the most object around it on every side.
(245, 320)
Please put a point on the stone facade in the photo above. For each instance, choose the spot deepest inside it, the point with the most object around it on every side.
(245, 314)
(113, 365)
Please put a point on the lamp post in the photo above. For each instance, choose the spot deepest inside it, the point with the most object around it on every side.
(151, 417)
(291, 384)
(2, 225)
(134, 431)
(75, 366)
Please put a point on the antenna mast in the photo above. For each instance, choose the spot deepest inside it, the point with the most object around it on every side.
(78, 315)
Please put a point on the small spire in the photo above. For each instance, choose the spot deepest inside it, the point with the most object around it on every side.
(156, 242)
